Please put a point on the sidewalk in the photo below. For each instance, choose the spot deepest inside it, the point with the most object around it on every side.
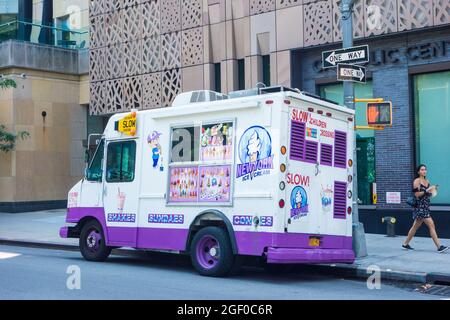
(422, 265)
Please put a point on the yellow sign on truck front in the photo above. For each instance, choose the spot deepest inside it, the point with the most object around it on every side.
(127, 125)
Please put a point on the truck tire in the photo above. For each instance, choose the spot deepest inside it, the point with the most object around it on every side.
(92, 242)
(211, 252)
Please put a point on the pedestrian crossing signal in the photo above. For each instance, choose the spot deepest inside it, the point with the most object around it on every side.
(379, 113)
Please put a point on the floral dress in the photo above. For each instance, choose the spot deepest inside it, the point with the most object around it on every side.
(422, 209)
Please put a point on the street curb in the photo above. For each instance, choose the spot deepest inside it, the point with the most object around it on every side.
(362, 272)
(37, 244)
(438, 278)
(66, 247)
(345, 270)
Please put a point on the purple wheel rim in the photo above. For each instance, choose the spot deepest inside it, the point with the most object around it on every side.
(94, 240)
(208, 252)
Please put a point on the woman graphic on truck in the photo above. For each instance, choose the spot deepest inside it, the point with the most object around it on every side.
(153, 140)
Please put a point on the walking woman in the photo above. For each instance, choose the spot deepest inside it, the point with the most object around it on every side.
(423, 191)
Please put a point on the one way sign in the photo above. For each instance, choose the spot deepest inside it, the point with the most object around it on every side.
(352, 55)
(349, 72)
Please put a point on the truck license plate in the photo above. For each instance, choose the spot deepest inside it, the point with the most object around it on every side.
(314, 242)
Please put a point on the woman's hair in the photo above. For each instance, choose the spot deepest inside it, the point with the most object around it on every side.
(418, 169)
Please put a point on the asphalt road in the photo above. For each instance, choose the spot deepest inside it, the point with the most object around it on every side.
(33, 273)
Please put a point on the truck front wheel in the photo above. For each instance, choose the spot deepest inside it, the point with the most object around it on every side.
(92, 242)
(211, 252)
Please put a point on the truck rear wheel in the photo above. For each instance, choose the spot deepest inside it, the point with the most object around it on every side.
(211, 252)
(92, 242)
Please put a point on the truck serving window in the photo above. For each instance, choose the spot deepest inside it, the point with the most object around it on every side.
(185, 144)
(94, 172)
(200, 167)
(120, 161)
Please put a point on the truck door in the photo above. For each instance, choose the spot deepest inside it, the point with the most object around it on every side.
(317, 174)
(334, 152)
(120, 192)
(302, 188)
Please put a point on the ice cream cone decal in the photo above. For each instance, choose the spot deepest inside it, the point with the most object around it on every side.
(298, 199)
(254, 147)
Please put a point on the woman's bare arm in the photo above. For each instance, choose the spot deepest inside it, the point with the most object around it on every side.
(418, 194)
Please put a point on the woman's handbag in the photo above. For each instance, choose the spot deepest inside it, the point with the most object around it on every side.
(412, 201)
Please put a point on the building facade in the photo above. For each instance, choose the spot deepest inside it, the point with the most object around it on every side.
(50, 102)
(144, 52)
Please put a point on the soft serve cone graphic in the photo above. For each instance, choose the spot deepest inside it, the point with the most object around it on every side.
(254, 147)
(298, 199)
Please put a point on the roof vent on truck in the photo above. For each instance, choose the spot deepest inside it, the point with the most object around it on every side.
(197, 96)
(260, 89)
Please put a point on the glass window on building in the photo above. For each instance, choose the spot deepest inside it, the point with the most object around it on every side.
(63, 31)
(365, 139)
(8, 14)
(266, 69)
(432, 117)
(217, 77)
(241, 74)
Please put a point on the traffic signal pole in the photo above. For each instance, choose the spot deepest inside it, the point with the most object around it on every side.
(359, 239)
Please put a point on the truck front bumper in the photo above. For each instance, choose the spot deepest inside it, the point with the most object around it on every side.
(301, 255)
(68, 232)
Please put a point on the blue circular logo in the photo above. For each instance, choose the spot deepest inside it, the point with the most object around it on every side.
(299, 198)
(255, 144)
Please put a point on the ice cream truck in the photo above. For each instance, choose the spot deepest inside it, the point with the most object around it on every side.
(264, 173)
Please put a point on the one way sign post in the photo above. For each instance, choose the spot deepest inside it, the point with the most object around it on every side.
(359, 54)
(350, 72)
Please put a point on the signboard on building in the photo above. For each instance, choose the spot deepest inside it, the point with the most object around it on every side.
(349, 72)
(393, 197)
(332, 58)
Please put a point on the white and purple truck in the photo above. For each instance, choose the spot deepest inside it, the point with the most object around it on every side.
(265, 175)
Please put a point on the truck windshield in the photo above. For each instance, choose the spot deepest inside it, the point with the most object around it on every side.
(94, 172)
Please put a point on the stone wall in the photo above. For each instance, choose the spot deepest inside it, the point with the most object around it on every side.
(46, 165)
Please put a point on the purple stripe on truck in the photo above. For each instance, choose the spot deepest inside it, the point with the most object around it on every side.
(248, 242)
(143, 238)
(296, 255)
(162, 238)
(253, 243)
(74, 215)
